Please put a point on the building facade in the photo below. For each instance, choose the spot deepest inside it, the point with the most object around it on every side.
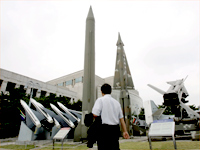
(69, 86)
(74, 82)
(10, 80)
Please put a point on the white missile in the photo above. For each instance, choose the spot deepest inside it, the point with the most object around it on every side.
(56, 123)
(38, 107)
(79, 112)
(69, 122)
(189, 110)
(35, 120)
(67, 111)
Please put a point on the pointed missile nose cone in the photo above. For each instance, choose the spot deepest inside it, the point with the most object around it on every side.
(119, 42)
(90, 14)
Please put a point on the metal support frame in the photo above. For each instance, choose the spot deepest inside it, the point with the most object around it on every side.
(174, 141)
(61, 141)
(162, 128)
(60, 135)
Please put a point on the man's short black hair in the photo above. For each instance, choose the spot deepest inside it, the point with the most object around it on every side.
(106, 89)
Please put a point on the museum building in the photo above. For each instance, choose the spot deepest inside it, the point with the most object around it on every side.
(74, 82)
(10, 80)
(69, 86)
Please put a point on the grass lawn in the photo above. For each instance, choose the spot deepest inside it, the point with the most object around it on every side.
(67, 147)
(181, 145)
(18, 147)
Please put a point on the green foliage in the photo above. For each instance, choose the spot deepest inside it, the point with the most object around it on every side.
(168, 145)
(193, 107)
(141, 114)
(168, 110)
(10, 109)
(141, 111)
(10, 115)
(76, 105)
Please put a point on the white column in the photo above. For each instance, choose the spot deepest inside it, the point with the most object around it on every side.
(28, 91)
(58, 94)
(38, 94)
(47, 94)
(73, 82)
(3, 86)
(17, 85)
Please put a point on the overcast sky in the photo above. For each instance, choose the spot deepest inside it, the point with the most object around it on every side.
(45, 40)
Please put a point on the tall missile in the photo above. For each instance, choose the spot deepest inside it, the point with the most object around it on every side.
(123, 82)
(89, 64)
(122, 79)
(88, 77)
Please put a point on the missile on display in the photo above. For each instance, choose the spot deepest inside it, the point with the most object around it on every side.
(45, 112)
(32, 116)
(89, 95)
(39, 107)
(57, 123)
(68, 121)
(57, 117)
(123, 82)
(78, 114)
(175, 98)
(75, 111)
(89, 64)
(67, 111)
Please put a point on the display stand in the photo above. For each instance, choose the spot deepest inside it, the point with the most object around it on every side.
(162, 128)
(61, 134)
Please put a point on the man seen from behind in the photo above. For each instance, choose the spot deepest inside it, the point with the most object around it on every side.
(111, 115)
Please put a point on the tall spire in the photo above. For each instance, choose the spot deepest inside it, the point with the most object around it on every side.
(119, 42)
(90, 14)
(122, 78)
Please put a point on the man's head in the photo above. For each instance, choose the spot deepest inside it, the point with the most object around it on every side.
(106, 89)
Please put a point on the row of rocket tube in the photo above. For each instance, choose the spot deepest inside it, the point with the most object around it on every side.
(39, 107)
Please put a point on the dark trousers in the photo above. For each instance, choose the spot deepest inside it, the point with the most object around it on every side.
(108, 137)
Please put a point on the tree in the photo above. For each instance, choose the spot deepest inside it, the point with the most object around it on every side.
(168, 110)
(142, 114)
(9, 111)
(77, 105)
